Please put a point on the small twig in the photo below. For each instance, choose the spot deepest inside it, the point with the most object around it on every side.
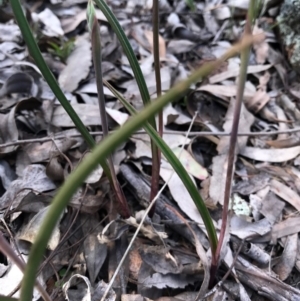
(63, 155)
(199, 134)
(68, 269)
(156, 156)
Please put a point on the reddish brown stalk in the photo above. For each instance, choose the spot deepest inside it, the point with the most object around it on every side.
(155, 151)
(7, 250)
(232, 144)
(97, 59)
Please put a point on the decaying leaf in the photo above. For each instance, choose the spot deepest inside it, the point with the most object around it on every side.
(30, 231)
(79, 59)
(288, 257)
(34, 178)
(94, 251)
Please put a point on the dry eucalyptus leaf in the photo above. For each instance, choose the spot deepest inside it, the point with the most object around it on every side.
(30, 231)
(181, 195)
(34, 178)
(234, 72)
(243, 229)
(226, 91)
(70, 24)
(288, 257)
(170, 280)
(94, 251)
(190, 164)
(286, 193)
(13, 277)
(52, 24)
(78, 64)
(180, 46)
(271, 155)
(10, 33)
(161, 43)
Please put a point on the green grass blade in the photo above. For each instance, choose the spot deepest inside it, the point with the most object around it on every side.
(179, 169)
(98, 155)
(49, 77)
(127, 49)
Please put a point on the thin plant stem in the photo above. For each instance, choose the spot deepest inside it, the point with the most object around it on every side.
(114, 23)
(97, 59)
(233, 137)
(7, 250)
(156, 55)
(156, 167)
(142, 132)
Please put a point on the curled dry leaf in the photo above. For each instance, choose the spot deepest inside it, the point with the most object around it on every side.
(83, 289)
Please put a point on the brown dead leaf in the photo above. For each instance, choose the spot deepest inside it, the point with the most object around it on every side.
(288, 257)
(94, 251)
(52, 26)
(259, 99)
(30, 231)
(161, 42)
(78, 64)
(226, 91)
(286, 193)
(70, 24)
(284, 143)
(234, 72)
(261, 49)
(271, 155)
(34, 178)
